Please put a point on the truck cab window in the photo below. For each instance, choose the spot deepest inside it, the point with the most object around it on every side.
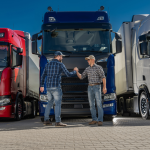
(4, 56)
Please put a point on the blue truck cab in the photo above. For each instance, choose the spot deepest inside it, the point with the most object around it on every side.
(78, 35)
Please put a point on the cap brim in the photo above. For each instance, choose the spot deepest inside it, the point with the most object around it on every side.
(87, 58)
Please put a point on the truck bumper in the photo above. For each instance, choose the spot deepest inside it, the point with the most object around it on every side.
(6, 111)
(109, 108)
(42, 106)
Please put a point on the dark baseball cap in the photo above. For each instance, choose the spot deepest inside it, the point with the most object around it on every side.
(58, 53)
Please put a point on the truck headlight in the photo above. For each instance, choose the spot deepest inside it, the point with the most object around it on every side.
(4, 101)
(44, 98)
(110, 96)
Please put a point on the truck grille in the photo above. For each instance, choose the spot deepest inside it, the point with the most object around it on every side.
(72, 106)
(74, 88)
(73, 80)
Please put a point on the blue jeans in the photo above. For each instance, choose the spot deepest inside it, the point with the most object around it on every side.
(94, 92)
(54, 95)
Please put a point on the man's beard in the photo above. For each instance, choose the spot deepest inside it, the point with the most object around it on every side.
(60, 60)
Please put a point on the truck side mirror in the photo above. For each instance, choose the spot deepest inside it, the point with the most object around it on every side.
(118, 36)
(34, 47)
(19, 50)
(118, 42)
(35, 37)
(143, 48)
(18, 60)
(118, 47)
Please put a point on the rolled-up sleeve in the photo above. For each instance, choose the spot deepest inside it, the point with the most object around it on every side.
(84, 74)
(101, 72)
(66, 72)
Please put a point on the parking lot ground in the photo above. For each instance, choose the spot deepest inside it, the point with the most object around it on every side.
(123, 133)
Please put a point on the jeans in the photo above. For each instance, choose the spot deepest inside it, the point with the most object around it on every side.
(94, 92)
(54, 95)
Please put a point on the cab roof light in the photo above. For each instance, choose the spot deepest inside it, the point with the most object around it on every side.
(100, 18)
(52, 19)
(1, 35)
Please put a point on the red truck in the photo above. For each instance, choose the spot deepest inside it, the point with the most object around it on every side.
(19, 75)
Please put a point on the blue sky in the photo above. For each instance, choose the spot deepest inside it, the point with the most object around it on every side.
(27, 15)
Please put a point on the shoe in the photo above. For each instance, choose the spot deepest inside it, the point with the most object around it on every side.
(47, 123)
(100, 123)
(93, 122)
(60, 124)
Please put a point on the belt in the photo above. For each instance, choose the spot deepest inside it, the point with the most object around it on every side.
(94, 84)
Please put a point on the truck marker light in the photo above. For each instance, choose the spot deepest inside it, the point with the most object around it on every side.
(100, 18)
(52, 19)
(1, 35)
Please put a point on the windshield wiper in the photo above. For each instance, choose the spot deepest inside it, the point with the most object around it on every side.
(60, 51)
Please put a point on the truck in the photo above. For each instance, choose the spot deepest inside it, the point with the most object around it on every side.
(132, 69)
(19, 80)
(78, 34)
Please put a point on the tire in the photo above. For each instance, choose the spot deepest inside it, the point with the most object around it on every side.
(121, 106)
(19, 110)
(34, 112)
(144, 105)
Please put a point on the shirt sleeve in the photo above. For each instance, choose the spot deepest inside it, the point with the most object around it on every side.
(66, 72)
(43, 76)
(101, 72)
(84, 74)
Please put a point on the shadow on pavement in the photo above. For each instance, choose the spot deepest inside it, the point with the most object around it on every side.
(72, 122)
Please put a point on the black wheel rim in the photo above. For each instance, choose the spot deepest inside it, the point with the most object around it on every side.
(143, 106)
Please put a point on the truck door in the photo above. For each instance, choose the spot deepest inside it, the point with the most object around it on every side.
(143, 66)
(15, 71)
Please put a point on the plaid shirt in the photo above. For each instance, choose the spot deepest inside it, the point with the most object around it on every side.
(95, 74)
(53, 71)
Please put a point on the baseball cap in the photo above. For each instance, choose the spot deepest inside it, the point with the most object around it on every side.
(58, 53)
(90, 57)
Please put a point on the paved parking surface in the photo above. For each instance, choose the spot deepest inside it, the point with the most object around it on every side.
(121, 133)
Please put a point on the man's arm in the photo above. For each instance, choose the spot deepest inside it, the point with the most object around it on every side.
(66, 72)
(102, 75)
(104, 86)
(43, 79)
(81, 76)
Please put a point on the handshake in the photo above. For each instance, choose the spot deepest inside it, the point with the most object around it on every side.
(76, 69)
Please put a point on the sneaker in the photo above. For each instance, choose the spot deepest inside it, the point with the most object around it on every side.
(60, 124)
(100, 123)
(47, 123)
(93, 122)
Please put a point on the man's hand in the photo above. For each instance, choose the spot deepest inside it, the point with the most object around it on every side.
(41, 89)
(104, 90)
(76, 69)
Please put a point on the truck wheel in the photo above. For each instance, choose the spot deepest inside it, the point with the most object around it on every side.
(19, 110)
(144, 105)
(121, 106)
(34, 112)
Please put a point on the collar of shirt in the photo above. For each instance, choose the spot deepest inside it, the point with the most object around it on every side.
(55, 60)
(93, 65)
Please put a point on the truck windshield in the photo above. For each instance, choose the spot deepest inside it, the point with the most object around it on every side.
(4, 56)
(79, 41)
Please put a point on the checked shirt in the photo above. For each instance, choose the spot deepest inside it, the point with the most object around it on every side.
(53, 71)
(95, 74)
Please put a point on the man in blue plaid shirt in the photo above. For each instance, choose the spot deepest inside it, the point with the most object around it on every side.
(53, 71)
